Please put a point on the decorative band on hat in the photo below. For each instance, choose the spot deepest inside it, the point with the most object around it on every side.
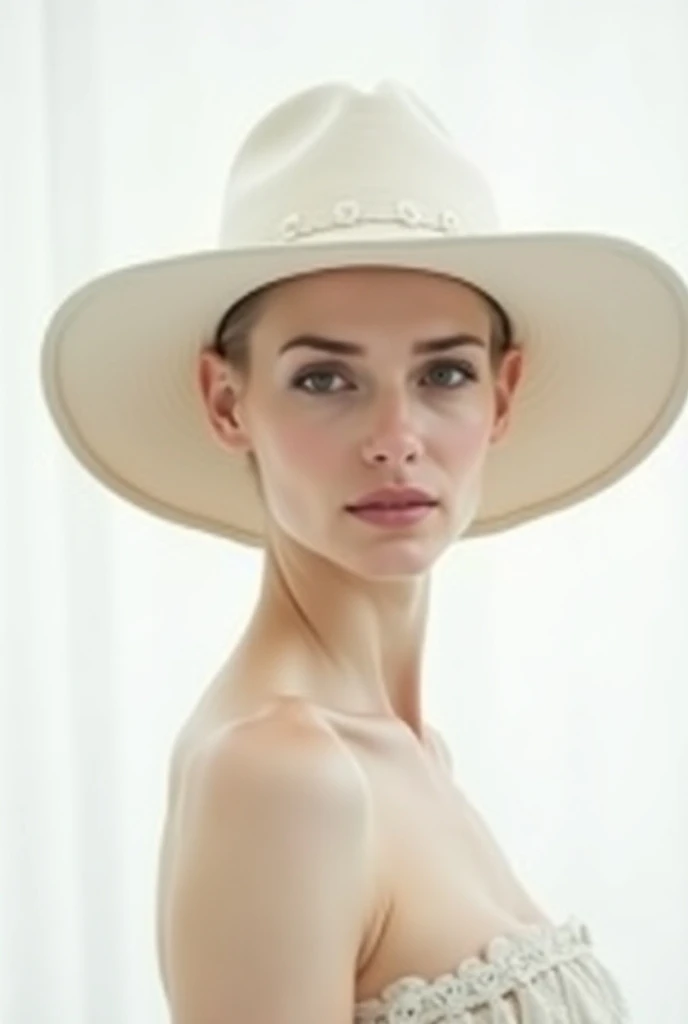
(349, 213)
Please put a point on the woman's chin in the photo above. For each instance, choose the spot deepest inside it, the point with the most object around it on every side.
(401, 557)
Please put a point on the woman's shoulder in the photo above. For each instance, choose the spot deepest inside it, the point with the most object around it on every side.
(281, 735)
(283, 730)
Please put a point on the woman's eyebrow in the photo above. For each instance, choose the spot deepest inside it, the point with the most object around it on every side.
(350, 348)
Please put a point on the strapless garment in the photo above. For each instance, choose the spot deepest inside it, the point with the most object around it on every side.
(545, 975)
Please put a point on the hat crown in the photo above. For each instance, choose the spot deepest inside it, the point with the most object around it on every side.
(336, 162)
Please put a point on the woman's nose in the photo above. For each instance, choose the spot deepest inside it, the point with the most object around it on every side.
(393, 441)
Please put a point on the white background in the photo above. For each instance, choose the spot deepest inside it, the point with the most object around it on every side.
(557, 664)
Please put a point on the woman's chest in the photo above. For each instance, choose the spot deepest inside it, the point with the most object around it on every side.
(444, 886)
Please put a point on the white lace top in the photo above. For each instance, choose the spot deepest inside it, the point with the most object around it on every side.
(548, 975)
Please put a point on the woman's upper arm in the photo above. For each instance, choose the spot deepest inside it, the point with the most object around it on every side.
(267, 892)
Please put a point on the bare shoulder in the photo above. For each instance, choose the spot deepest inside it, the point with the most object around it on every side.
(278, 747)
(267, 891)
(282, 762)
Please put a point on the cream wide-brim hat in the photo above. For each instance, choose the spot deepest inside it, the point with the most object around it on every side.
(336, 177)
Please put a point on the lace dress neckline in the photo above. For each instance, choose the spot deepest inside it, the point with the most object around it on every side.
(508, 961)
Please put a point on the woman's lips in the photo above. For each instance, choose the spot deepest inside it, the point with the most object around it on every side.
(394, 515)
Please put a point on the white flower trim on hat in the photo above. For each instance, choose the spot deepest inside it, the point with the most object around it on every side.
(349, 213)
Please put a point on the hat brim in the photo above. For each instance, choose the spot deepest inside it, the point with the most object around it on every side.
(604, 324)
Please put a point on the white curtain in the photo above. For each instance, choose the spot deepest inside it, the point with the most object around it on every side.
(557, 663)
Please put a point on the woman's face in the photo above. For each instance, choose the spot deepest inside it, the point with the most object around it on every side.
(345, 396)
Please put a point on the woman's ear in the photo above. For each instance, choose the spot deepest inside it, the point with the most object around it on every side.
(222, 390)
(506, 384)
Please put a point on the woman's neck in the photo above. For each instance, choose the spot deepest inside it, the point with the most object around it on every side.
(353, 645)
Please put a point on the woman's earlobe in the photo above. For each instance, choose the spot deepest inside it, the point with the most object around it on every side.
(227, 421)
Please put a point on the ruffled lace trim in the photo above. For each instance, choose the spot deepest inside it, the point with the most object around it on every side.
(509, 963)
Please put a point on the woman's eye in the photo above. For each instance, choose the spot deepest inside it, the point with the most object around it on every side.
(448, 375)
(318, 379)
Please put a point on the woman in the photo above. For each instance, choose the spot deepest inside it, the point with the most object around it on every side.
(364, 372)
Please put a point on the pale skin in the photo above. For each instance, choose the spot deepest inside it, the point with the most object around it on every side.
(308, 757)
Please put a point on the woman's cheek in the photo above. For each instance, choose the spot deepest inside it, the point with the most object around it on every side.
(310, 447)
(468, 437)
